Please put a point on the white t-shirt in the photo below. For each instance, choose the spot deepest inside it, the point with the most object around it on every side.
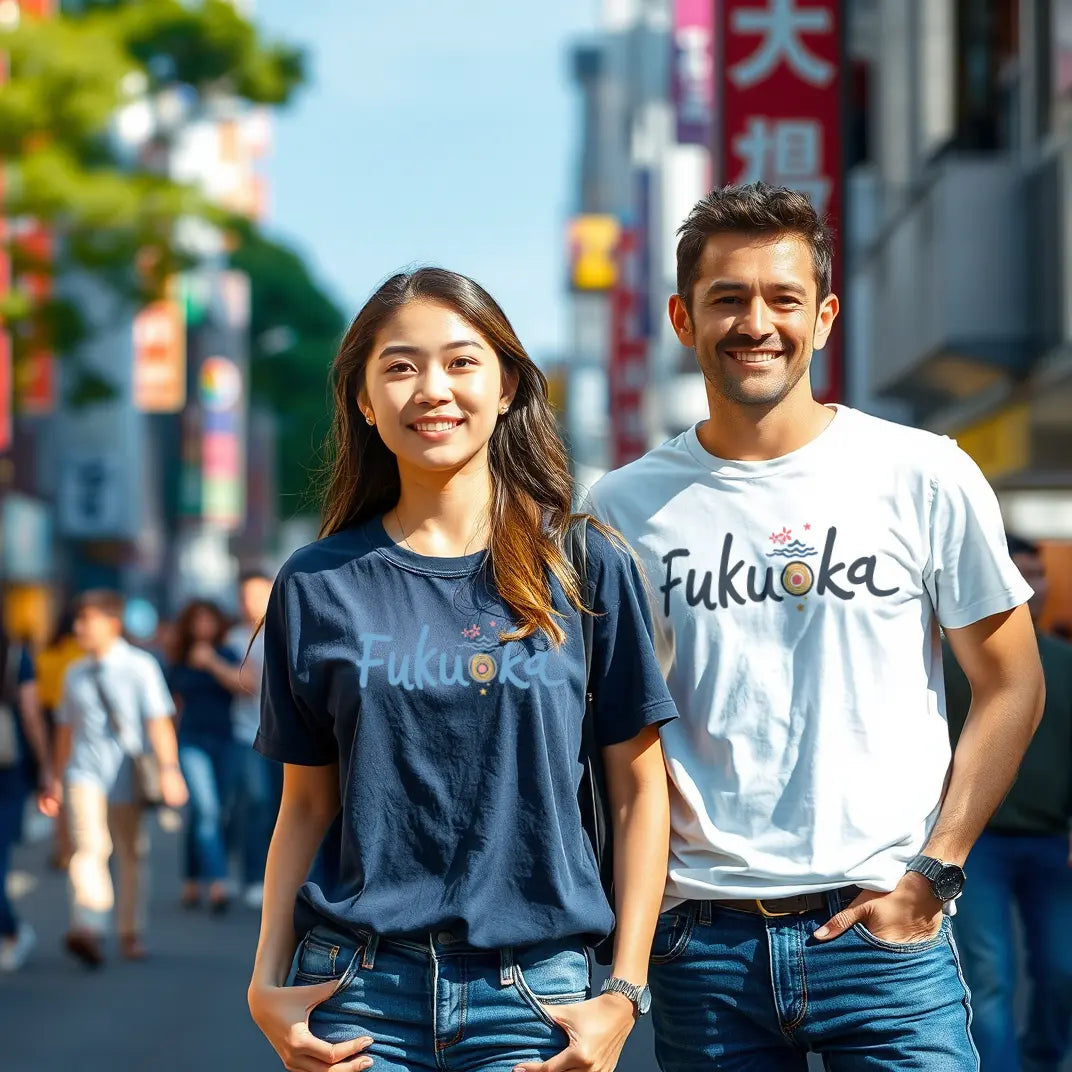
(802, 598)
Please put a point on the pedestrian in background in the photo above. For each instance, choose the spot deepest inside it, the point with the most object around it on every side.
(51, 665)
(23, 738)
(200, 681)
(425, 684)
(1022, 866)
(115, 706)
(258, 780)
(802, 557)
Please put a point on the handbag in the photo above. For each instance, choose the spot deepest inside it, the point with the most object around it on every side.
(10, 752)
(147, 788)
(592, 793)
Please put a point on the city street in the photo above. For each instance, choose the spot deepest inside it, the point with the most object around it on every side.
(182, 1010)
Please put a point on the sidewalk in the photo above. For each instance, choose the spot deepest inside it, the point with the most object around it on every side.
(184, 1009)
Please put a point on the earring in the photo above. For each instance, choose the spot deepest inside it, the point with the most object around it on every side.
(504, 411)
(369, 420)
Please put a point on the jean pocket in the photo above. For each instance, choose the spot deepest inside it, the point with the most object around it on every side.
(546, 979)
(672, 933)
(322, 960)
(904, 947)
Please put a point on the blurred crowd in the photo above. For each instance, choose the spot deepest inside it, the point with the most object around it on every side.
(101, 726)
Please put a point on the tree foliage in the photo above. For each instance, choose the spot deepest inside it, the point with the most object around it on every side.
(295, 329)
(68, 78)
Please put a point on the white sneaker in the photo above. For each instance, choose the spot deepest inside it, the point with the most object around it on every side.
(254, 895)
(14, 952)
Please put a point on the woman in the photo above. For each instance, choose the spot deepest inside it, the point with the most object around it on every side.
(200, 683)
(425, 689)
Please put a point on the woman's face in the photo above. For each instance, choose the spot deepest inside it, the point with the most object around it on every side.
(203, 626)
(435, 389)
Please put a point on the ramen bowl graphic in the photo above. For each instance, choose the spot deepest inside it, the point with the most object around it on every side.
(797, 578)
(482, 667)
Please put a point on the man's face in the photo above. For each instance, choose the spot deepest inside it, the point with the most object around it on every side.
(95, 631)
(1034, 571)
(253, 598)
(754, 317)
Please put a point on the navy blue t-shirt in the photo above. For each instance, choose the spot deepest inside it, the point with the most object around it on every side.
(458, 754)
(206, 704)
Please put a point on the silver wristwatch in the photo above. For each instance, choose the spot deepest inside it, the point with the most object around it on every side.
(640, 996)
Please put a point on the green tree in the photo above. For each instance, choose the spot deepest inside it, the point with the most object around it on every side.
(295, 329)
(68, 78)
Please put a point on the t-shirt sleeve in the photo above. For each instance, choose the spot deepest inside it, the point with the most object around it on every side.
(156, 701)
(627, 686)
(65, 709)
(26, 672)
(970, 574)
(290, 730)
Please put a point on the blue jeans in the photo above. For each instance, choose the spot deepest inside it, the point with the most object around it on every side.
(11, 805)
(440, 1005)
(1029, 875)
(257, 788)
(207, 765)
(741, 993)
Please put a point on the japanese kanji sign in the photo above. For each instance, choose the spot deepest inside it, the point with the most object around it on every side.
(779, 97)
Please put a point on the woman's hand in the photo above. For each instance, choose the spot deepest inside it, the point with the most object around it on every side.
(282, 1013)
(597, 1030)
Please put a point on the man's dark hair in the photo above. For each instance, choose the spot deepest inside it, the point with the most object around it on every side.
(104, 600)
(1019, 546)
(254, 573)
(756, 209)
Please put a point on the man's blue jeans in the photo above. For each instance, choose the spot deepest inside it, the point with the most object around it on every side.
(741, 993)
(1029, 875)
(257, 788)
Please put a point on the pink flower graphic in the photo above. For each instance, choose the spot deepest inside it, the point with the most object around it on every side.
(782, 537)
(471, 633)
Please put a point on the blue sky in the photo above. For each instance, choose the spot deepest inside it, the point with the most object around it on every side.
(432, 132)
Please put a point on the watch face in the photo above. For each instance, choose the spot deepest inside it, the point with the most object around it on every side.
(949, 883)
(644, 1003)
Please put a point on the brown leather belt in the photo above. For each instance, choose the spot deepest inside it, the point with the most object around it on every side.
(775, 907)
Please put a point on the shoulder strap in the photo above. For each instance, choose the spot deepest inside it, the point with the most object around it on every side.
(95, 672)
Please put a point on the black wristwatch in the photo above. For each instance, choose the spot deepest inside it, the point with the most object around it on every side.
(947, 880)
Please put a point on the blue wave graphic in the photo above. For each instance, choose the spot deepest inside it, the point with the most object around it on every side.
(487, 642)
(796, 549)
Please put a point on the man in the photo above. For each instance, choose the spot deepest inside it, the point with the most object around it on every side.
(1023, 863)
(259, 780)
(114, 704)
(801, 558)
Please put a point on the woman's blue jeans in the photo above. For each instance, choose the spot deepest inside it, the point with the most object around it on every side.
(207, 765)
(439, 1004)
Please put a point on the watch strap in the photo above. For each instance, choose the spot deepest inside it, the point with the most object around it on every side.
(633, 991)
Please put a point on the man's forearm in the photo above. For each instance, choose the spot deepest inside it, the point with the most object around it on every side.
(161, 734)
(996, 735)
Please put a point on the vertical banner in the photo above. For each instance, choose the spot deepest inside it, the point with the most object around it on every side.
(35, 388)
(627, 369)
(160, 357)
(692, 72)
(780, 97)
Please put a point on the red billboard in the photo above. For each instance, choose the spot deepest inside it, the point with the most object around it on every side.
(627, 369)
(779, 98)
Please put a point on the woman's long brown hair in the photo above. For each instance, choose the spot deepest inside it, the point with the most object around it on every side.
(530, 478)
(184, 636)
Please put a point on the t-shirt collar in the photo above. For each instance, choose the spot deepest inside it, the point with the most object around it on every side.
(735, 469)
